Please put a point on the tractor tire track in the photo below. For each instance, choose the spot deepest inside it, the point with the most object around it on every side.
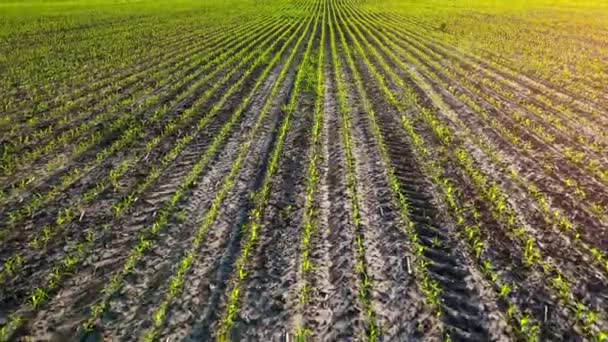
(463, 313)
(400, 306)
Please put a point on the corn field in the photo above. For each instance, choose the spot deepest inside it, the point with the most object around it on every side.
(303, 170)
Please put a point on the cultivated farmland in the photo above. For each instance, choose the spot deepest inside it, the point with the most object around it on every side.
(311, 170)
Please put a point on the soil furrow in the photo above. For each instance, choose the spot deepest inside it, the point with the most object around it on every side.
(318, 312)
